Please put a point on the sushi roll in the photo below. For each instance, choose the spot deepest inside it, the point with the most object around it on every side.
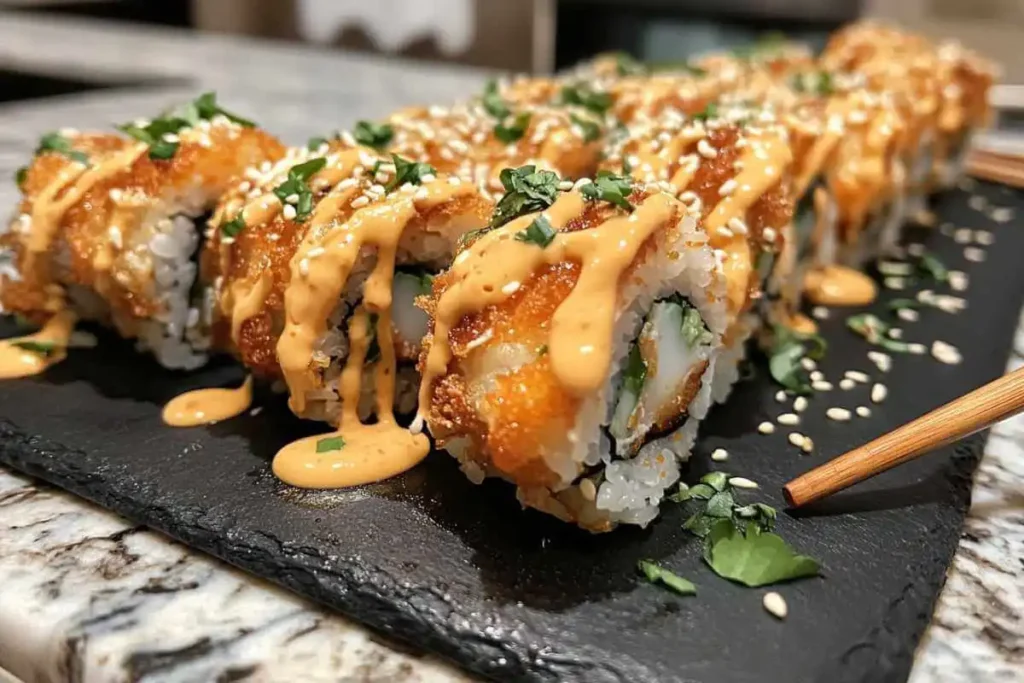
(731, 166)
(301, 245)
(571, 342)
(108, 226)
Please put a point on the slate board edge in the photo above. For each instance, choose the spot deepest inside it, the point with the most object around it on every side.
(362, 601)
(892, 659)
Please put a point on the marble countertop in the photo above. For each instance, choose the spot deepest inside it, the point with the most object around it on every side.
(86, 596)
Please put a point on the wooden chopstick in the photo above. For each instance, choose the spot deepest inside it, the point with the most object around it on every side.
(1000, 168)
(968, 414)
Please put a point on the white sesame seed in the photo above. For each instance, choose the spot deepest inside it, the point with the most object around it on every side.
(896, 283)
(292, 199)
(727, 187)
(797, 439)
(724, 231)
(908, 314)
(705, 149)
(800, 404)
(116, 194)
(847, 384)
(1003, 214)
(768, 235)
(881, 360)
(289, 212)
(788, 419)
(974, 254)
(766, 428)
(820, 312)
(719, 454)
(863, 411)
(817, 375)
(428, 178)
(808, 445)
(857, 376)
(838, 414)
(565, 185)
(775, 605)
(780, 395)
(962, 236)
(917, 349)
(946, 353)
(304, 267)
(878, 393)
(915, 249)
(821, 386)
(984, 237)
(742, 483)
(511, 287)
(808, 364)
(360, 201)
(315, 252)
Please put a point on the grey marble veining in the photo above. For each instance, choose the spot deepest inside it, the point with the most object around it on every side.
(86, 596)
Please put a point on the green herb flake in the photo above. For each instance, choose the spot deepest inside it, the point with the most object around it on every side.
(635, 372)
(590, 130)
(45, 348)
(206, 108)
(20, 176)
(330, 443)
(876, 331)
(818, 83)
(539, 232)
(627, 65)
(316, 143)
(233, 227)
(407, 171)
(719, 481)
(897, 304)
(155, 134)
(582, 96)
(788, 349)
(55, 142)
(375, 135)
(754, 558)
(658, 574)
(932, 267)
(508, 131)
(527, 190)
(297, 184)
(492, 101)
(610, 187)
(710, 111)
(695, 332)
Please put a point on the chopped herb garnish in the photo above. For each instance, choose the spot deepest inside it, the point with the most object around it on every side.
(626, 65)
(231, 228)
(526, 190)
(316, 143)
(21, 175)
(695, 332)
(205, 107)
(627, 168)
(788, 349)
(42, 347)
(897, 304)
(55, 142)
(492, 101)
(610, 187)
(635, 373)
(298, 184)
(408, 172)
(582, 96)
(330, 443)
(539, 232)
(161, 134)
(658, 574)
(814, 82)
(510, 131)
(931, 266)
(590, 130)
(710, 111)
(876, 332)
(376, 135)
(754, 557)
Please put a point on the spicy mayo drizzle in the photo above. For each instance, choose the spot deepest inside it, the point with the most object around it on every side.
(319, 272)
(207, 406)
(839, 286)
(16, 361)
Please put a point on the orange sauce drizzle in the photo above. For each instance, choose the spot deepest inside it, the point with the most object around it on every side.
(207, 406)
(16, 361)
(839, 286)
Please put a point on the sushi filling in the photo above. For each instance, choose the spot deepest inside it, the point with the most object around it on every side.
(662, 374)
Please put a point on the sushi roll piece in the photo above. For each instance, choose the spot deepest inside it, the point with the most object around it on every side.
(108, 228)
(569, 344)
(301, 246)
(730, 164)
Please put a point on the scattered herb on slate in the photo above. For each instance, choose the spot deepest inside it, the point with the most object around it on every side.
(55, 142)
(876, 332)
(539, 232)
(330, 443)
(298, 184)
(375, 135)
(526, 190)
(493, 103)
(897, 304)
(233, 227)
(788, 349)
(509, 131)
(655, 573)
(582, 96)
(407, 171)
(610, 187)
(931, 266)
(45, 348)
(754, 557)
(589, 129)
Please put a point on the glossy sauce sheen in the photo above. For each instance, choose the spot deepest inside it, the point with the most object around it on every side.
(207, 406)
(18, 362)
(839, 286)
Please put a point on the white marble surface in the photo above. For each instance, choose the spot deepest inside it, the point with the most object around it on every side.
(85, 596)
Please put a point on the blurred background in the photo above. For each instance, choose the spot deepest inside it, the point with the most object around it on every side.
(542, 35)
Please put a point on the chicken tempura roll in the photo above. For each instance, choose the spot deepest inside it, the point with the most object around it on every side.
(299, 247)
(107, 228)
(571, 342)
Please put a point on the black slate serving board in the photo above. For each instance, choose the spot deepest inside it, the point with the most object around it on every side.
(459, 570)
